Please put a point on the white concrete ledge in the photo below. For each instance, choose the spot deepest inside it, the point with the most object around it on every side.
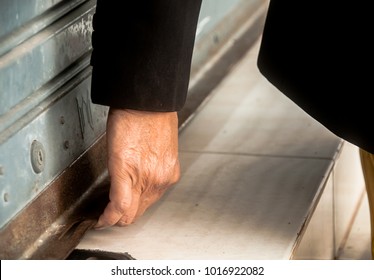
(260, 180)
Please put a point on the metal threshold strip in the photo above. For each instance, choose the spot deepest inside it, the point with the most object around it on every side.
(52, 225)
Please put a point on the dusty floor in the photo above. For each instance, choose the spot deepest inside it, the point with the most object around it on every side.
(252, 164)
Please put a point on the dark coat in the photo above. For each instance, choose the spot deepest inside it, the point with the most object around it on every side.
(319, 54)
(142, 53)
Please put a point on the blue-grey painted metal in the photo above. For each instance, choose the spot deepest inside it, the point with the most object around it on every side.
(46, 118)
(213, 12)
(44, 93)
(65, 128)
(32, 64)
(21, 19)
(16, 13)
(218, 20)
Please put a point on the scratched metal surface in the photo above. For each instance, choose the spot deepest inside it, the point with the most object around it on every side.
(44, 93)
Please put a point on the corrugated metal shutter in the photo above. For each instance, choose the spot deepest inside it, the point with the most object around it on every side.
(46, 118)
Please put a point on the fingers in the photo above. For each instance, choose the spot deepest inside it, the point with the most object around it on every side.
(148, 200)
(121, 205)
(130, 198)
(155, 192)
(129, 216)
(109, 217)
(123, 213)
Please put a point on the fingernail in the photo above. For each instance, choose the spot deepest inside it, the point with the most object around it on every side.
(99, 226)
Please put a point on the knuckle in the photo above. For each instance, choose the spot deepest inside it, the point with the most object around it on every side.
(121, 206)
(126, 173)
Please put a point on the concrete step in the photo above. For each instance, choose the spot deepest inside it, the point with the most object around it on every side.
(260, 180)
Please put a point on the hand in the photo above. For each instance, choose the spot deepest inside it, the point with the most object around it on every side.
(142, 162)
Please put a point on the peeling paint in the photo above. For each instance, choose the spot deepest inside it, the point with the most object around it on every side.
(83, 27)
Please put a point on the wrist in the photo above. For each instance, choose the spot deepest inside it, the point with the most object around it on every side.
(141, 114)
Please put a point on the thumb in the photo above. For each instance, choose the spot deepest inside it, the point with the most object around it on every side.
(120, 201)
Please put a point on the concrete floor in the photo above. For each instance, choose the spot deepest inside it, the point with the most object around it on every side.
(252, 165)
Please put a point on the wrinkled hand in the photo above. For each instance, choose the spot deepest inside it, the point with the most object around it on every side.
(142, 162)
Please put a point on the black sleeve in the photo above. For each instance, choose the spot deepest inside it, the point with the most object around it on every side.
(142, 53)
(318, 54)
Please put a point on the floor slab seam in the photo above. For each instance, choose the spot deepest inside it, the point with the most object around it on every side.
(259, 155)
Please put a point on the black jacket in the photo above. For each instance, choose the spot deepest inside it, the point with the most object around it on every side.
(142, 53)
(317, 52)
